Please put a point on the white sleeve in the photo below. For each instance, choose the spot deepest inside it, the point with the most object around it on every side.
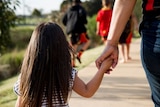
(16, 87)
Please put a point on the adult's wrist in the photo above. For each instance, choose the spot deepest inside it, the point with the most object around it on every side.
(112, 43)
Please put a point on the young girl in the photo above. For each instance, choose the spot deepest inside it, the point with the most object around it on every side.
(47, 77)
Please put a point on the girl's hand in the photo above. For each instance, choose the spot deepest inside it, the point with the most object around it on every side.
(106, 65)
(109, 51)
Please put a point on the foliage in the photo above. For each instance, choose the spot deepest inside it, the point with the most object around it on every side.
(64, 6)
(20, 36)
(138, 10)
(10, 62)
(7, 19)
(92, 6)
(13, 61)
(91, 27)
(36, 12)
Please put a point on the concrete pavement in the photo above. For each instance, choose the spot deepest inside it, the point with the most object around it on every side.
(126, 86)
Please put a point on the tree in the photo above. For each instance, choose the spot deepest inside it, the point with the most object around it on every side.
(64, 5)
(36, 12)
(92, 6)
(7, 20)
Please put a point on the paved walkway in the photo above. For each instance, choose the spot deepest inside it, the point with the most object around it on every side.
(126, 86)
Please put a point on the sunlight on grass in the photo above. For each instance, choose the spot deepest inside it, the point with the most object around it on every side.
(89, 56)
(7, 84)
(7, 96)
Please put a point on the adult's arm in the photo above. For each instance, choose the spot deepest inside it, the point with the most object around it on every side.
(121, 12)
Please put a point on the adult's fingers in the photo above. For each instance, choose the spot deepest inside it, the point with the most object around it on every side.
(98, 62)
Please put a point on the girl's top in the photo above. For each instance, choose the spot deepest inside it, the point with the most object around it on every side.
(44, 103)
(104, 18)
(151, 9)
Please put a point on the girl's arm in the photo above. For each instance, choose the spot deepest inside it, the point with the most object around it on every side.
(18, 102)
(88, 90)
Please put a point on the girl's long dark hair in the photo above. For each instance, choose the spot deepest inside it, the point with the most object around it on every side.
(46, 68)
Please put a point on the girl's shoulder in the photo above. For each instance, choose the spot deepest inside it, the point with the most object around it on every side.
(16, 86)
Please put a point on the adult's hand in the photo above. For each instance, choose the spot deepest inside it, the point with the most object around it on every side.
(111, 50)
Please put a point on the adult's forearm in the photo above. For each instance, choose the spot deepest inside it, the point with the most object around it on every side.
(121, 13)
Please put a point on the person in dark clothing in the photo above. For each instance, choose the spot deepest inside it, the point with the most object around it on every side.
(123, 41)
(75, 20)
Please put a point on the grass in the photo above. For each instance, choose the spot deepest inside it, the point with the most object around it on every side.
(7, 96)
(89, 56)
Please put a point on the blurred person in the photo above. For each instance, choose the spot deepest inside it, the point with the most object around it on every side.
(75, 20)
(125, 41)
(103, 19)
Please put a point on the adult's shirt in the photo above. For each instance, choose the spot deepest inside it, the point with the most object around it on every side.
(151, 9)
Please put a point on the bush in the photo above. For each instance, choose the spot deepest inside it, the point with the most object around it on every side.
(20, 36)
(10, 64)
(11, 60)
(91, 26)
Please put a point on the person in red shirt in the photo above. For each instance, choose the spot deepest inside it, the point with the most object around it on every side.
(103, 19)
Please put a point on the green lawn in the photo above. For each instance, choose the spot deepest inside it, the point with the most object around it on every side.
(7, 96)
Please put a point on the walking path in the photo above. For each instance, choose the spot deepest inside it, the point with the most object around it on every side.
(126, 86)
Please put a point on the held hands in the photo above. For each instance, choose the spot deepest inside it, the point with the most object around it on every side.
(110, 51)
(106, 65)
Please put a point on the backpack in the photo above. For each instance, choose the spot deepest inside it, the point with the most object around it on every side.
(75, 20)
(72, 22)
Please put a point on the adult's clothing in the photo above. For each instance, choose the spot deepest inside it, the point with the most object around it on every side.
(150, 46)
